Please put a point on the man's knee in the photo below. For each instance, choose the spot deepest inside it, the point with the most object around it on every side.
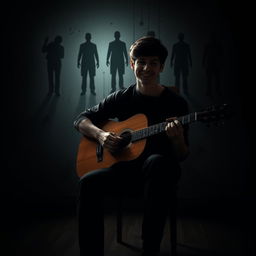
(158, 166)
(156, 160)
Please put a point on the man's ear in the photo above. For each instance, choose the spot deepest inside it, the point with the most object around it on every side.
(132, 64)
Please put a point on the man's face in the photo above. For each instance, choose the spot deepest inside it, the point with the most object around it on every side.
(147, 69)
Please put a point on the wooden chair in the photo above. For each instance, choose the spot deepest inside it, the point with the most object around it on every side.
(172, 217)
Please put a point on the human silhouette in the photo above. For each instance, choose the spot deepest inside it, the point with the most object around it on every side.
(117, 52)
(88, 53)
(181, 60)
(54, 53)
(211, 62)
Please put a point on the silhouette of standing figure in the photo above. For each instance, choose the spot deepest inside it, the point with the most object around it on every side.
(211, 63)
(181, 56)
(88, 52)
(117, 51)
(55, 52)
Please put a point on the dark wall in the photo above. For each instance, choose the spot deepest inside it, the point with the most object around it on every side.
(41, 144)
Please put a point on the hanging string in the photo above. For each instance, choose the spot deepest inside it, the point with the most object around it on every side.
(133, 16)
(159, 19)
(149, 9)
(141, 15)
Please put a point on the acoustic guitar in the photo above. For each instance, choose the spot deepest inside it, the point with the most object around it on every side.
(134, 131)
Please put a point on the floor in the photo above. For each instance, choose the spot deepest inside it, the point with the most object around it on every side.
(56, 234)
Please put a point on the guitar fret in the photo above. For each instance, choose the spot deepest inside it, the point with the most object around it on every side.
(150, 130)
(163, 126)
(193, 117)
(144, 133)
(160, 127)
(134, 136)
(154, 129)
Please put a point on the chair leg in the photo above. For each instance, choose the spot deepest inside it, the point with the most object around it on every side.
(173, 225)
(173, 222)
(119, 219)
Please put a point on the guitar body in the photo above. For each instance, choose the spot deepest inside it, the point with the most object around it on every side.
(87, 158)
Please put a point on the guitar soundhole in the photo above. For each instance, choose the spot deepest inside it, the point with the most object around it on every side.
(126, 139)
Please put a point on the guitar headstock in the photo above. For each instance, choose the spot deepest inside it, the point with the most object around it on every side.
(214, 114)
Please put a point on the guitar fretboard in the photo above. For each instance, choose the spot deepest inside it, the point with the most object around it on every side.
(160, 127)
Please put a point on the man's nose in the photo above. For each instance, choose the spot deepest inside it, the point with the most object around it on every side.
(146, 67)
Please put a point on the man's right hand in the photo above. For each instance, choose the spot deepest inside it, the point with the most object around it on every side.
(110, 141)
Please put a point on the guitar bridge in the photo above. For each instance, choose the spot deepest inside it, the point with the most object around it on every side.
(99, 153)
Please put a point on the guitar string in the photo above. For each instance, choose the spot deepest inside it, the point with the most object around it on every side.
(157, 128)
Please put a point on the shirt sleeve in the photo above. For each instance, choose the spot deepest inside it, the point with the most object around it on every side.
(106, 109)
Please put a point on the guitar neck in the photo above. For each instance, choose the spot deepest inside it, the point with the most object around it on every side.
(160, 127)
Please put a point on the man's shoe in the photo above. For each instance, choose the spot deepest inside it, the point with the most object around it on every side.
(82, 93)
(93, 93)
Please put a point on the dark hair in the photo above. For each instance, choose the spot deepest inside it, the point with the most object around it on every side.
(148, 46)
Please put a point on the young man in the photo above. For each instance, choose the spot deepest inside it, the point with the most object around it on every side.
(156, 171)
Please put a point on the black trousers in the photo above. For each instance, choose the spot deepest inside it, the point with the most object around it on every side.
(155, 175)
